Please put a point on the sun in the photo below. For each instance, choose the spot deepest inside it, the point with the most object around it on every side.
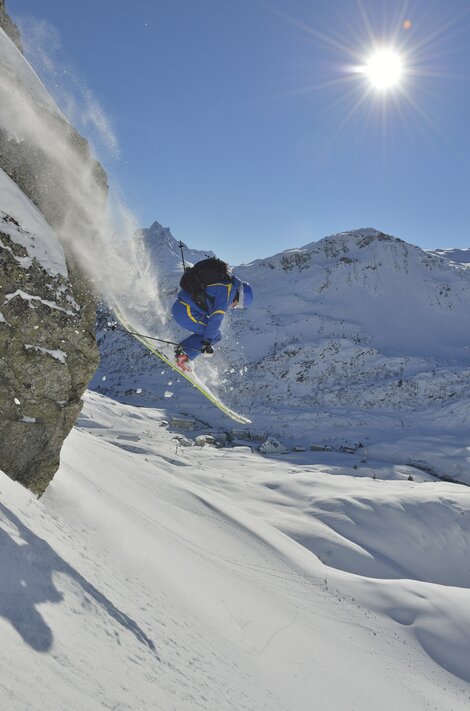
(384, 69)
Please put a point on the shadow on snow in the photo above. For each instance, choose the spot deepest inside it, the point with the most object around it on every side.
(27, 581)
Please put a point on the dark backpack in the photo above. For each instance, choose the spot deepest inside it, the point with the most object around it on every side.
(195, 279)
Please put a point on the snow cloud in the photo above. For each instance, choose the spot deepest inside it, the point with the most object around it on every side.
(43, 49)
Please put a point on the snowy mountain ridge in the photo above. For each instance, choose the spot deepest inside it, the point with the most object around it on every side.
(459, 256)
(358, 317)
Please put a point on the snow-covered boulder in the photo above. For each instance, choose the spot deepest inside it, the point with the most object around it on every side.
(202, 440)
(273, 446)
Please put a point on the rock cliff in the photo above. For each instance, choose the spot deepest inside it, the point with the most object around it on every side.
(48, 351)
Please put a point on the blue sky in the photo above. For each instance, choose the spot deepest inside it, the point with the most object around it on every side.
(242, 126)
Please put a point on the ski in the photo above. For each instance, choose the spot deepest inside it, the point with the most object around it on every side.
(190, 376)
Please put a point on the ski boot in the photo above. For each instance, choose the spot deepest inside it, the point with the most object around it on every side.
(182, 360)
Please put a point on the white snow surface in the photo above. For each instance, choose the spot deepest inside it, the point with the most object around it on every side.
(31, 231)
(155, 576)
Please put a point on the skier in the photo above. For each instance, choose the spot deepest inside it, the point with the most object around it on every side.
(208, 291)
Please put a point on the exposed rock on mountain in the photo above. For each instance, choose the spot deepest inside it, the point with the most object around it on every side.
(47, 346)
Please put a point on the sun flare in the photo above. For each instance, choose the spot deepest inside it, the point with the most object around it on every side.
(384, 69)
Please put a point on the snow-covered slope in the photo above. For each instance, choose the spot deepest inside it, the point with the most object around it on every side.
(377, 289)
(357, 322)
(152, 576)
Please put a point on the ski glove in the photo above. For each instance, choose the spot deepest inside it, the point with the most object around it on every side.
(207, 349)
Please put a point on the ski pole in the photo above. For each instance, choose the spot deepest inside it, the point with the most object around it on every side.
(181, 245)
(115, 327)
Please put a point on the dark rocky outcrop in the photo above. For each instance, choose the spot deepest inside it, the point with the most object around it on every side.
(48, 354)
(7, 24)
(54, 168)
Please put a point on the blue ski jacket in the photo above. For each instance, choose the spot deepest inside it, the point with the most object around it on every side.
(219, 296)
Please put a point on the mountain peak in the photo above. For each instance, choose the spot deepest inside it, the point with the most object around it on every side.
(157, 231)
(361, 232)
(362, 237)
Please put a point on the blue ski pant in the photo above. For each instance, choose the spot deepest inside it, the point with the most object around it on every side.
(185, 318)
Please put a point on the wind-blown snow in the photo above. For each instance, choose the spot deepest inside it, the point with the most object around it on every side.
(13, 62)
(153, 576)
(97, 235)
